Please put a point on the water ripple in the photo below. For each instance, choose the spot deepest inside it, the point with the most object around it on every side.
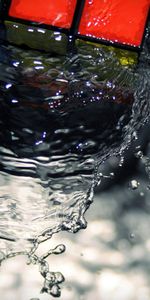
(60, 118)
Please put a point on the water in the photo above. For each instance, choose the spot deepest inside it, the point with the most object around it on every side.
(61, 118)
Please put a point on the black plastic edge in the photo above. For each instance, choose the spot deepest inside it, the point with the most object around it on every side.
(39, 25)
(146, 25)
(109, 43)
(77, 17)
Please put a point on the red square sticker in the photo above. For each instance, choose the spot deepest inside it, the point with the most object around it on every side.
(51, 12)
(121, 21)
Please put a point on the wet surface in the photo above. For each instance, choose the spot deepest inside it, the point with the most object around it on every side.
(59, 13)
(103, 20)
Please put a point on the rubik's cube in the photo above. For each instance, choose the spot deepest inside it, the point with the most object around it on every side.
(120, 22)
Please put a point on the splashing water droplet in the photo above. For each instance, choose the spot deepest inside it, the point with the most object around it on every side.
(134, 184)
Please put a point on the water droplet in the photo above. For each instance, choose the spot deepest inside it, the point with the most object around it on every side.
(55, 291)
(59, 277)
(132, 236)
(139, 154)
(134, 184)
(112, 174)
(50, 276)
(148, 187)
(59, 249)
(142, 194)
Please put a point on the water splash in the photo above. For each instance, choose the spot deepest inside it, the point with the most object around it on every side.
(61, 118)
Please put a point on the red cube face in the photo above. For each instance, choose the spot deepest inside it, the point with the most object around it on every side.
(50, 12)
(121, 21)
